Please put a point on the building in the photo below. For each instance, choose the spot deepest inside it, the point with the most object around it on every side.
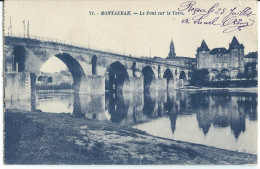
(251, 57)
(221, 60)
(59, 80)
(172, 54)
(180, 60)
(251, 64)
(173, 59)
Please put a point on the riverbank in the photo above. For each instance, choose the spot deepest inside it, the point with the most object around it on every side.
(233, 89)
(48, 138)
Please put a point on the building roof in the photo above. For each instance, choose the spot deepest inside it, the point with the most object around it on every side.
(218, 51)
(235, 44)
(251, 55)
(203, 47)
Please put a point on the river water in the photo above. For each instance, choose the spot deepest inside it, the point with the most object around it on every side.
(218, 118)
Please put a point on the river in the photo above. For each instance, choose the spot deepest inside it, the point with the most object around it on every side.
(219, 118)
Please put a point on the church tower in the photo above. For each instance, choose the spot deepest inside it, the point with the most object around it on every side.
(172, 54)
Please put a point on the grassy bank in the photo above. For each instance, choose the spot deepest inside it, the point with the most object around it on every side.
(47, 138)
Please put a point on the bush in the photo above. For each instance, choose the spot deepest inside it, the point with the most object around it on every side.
(200, 77)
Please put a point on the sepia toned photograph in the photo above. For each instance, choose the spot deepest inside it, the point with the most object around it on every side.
(130, 82)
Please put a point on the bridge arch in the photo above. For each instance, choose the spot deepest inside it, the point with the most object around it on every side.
(116, 77)
(74, 67)
(94, 65)
(225, 72)
(168, 76)
(183, 75)
(18, 59)
(149, 104)
(117, 106)
(213, 73)
(149, 76)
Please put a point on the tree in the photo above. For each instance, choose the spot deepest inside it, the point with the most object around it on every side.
(222, 77)
(200, 77)
(250, 70)
(241, 75)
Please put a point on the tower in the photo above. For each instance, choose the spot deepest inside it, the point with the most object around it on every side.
(237, 54)
(172, 54)
(202, 55)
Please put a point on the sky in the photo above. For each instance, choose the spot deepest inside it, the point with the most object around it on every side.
(136, 35)
(53, 65)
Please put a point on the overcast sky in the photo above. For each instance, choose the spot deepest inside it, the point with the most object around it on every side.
(70, 21)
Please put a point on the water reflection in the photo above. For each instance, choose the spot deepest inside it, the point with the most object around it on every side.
(117, 106)
(217, 118)
(223, 109)
(137, 104)
(77, 110)
(149, 104)
(91, 106)
(56, 103)
(170, 109)
(24, 104)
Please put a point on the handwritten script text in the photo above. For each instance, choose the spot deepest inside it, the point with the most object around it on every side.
(231, 19)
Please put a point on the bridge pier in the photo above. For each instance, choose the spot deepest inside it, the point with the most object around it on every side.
(127, 87)
(179, 84)
(161, 99)
(175, 84)
(20, 90)
(94, 106)
(92, 84)
(19, 85)
(137, 84)
(170, 85)
(161, 84)
(153, 85)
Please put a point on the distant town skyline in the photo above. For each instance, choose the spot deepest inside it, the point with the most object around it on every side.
(131, 35)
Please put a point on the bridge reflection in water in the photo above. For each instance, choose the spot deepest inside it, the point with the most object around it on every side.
(217, 118)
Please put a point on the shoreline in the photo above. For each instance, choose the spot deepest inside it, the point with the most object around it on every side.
(48, 138)
(232, 89)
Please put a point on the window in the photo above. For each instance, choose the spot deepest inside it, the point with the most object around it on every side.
(94, 65)
(159, 71)
(134, 69)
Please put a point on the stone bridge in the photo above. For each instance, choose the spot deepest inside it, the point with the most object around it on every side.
(93, 71)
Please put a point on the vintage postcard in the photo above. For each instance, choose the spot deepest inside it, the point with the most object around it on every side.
(130, 82)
